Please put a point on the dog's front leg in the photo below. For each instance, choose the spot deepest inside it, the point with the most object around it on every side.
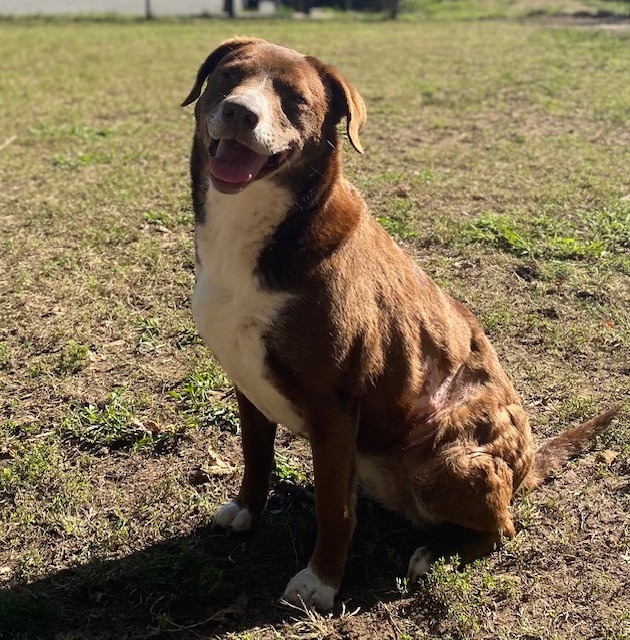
(332, 432)
(257, 438)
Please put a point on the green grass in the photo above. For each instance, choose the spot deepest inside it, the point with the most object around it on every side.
(448, 10)
(113, 425)
(496, 152)
(587, 236)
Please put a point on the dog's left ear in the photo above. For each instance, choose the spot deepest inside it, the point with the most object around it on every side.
(346, 101)
(211, 63)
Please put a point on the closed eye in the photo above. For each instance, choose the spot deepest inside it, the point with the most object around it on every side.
(230, 74)
(296, 98)
(294, 105)
(291, 98)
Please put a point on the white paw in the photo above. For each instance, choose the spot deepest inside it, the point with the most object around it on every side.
(305, 587)
(419, 563)
(233, 518)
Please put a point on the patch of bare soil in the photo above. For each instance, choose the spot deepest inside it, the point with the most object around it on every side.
(602, 21)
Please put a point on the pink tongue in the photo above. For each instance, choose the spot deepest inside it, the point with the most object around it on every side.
(236, 163)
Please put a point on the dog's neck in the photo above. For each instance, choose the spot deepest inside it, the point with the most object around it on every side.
(235, 228)
(325, 210)
(280, 227)
(256, 210)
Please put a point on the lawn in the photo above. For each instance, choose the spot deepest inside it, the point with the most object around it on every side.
(497, 153)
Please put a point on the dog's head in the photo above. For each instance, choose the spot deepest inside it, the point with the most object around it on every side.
(264, 107)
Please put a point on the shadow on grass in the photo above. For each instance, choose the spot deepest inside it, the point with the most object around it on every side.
(205, 583)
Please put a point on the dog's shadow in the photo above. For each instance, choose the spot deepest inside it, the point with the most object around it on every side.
(208, 582)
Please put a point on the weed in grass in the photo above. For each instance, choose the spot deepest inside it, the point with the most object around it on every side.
(222, 417)
(402, 586)
(37, 369)
(202, 397)
(396, 222)
(86, 133)
(497, 231)
(525, 512)
(114, 425)
(31, 466)
(74, 357)
(200, 389)
(75, 161)
(186, 337)
(157, 217)
(546, 237)
(150, 334)
(468, 594)
(496, 320)
(286, 469)
(577, 409)
(5, 356)
(396, 228)
(162, 219)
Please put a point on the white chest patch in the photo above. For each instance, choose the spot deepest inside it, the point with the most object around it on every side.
(230, 309)
(376, 478)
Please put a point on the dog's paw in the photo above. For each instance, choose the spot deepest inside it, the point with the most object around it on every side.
(306, 588)
(419, 564)
(233, 518)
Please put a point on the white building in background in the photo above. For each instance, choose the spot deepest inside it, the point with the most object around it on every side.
(120, 7)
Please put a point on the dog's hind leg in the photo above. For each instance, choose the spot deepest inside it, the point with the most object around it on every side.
(468, 492)
(446, 541)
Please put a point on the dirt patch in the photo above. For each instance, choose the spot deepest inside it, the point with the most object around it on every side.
(602, 21)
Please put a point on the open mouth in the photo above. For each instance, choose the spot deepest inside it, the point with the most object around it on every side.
(235, 163)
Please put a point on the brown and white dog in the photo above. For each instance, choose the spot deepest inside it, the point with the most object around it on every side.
(327, 327)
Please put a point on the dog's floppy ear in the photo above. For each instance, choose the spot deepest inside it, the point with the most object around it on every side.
(211, 63)
(346, 101)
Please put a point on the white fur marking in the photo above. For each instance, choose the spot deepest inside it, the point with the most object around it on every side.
(230, 309)
(267, 137)
(435, 389)
(419, 564)
(231, 516)
(243, 521)
(441, 391)
(306, 587)
(378, 481)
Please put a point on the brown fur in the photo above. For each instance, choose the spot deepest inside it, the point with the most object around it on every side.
(387, 371)
(554, 453)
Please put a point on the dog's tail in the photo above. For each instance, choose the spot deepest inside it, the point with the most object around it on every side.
(554, 453)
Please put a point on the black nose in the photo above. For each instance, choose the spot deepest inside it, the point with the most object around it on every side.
(243, 116)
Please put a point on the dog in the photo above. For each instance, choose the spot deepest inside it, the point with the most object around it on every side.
(328, 328)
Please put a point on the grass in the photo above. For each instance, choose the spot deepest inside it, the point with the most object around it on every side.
(497, 153)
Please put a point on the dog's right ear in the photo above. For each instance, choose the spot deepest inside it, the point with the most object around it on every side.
(211, 63)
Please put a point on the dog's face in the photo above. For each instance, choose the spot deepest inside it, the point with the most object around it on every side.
(264, 107)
